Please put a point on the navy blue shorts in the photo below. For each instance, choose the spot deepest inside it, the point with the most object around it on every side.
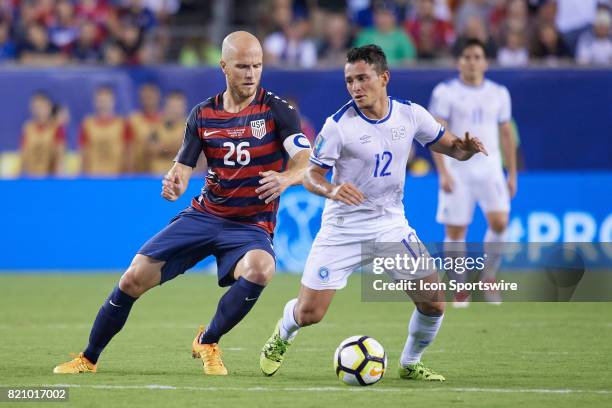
(194, 235)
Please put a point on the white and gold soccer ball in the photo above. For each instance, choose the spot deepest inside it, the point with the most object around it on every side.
(360, 360)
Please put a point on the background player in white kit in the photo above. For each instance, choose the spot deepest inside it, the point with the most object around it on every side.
(472, 102)
(367, 144)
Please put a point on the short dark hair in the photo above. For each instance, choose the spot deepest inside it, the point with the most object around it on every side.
(472, 42)
(371, 54)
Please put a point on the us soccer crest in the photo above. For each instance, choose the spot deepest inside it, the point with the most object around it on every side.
(258, 128)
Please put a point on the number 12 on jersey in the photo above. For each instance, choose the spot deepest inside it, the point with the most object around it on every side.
(382, 164)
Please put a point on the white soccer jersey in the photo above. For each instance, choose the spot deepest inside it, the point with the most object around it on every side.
(478, 110)
(372, 155)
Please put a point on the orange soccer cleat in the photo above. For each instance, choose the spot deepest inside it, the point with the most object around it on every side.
(80, 364)
(210, 355)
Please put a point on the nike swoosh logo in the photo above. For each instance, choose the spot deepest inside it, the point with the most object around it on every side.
(247, 299)
(111, 302)
(207, 133)
(375, 372)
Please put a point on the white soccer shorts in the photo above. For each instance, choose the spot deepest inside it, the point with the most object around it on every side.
(457, 207)
(330, 264)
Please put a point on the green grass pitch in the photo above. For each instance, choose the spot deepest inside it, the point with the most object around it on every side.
(516, 354)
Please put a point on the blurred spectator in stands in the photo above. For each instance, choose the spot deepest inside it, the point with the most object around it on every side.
(396, 44)
(333, 6)
(475, 28)
(514, 53)
(360, 12)
(318, 12)
(97, 11)
(130, 40)
(143, 124)
(595, 46)
(25, 17)
(548, 46)
(545, 11)
(337, 40)
(442, 10)
(135, 13)
(512, 15)
(198, 51)
(290, 46)
(431, 35)
(113, 54)
(105, 138)
(164, 143)
(64, 29)
(470, 9)
(155, 46)
(7, 10)
(45, 11)
(272, 15)
(37, 49)
(574, 17)
(87, 50)
(497, 16)
(43, 139)
(189, 55)
(162, 8)
(7, 47)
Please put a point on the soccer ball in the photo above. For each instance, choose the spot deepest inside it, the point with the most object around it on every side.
(360, 360)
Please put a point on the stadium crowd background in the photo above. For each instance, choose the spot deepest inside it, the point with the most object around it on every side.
(299, 34)
(303, 33)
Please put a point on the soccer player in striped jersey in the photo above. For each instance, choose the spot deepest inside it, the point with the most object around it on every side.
(255, 150)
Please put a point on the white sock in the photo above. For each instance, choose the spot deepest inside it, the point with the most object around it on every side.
(493, 242)
(288, 326)
(455, 248)
(422, 330)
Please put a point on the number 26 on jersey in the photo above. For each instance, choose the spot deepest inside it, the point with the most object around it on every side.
(242, 154)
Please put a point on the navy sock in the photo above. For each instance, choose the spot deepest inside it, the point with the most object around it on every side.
(233, 306)
(109, 321)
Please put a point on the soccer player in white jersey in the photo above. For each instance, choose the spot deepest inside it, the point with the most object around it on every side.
(472, 102)
(367, 144)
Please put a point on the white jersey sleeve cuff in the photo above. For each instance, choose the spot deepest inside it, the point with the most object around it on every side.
(439, 135)
(319, 163)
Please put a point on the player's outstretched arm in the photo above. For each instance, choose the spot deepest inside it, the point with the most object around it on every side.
(460, 149)
(316, 183)
(274, 183)
(446, 180)
(175, 181)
